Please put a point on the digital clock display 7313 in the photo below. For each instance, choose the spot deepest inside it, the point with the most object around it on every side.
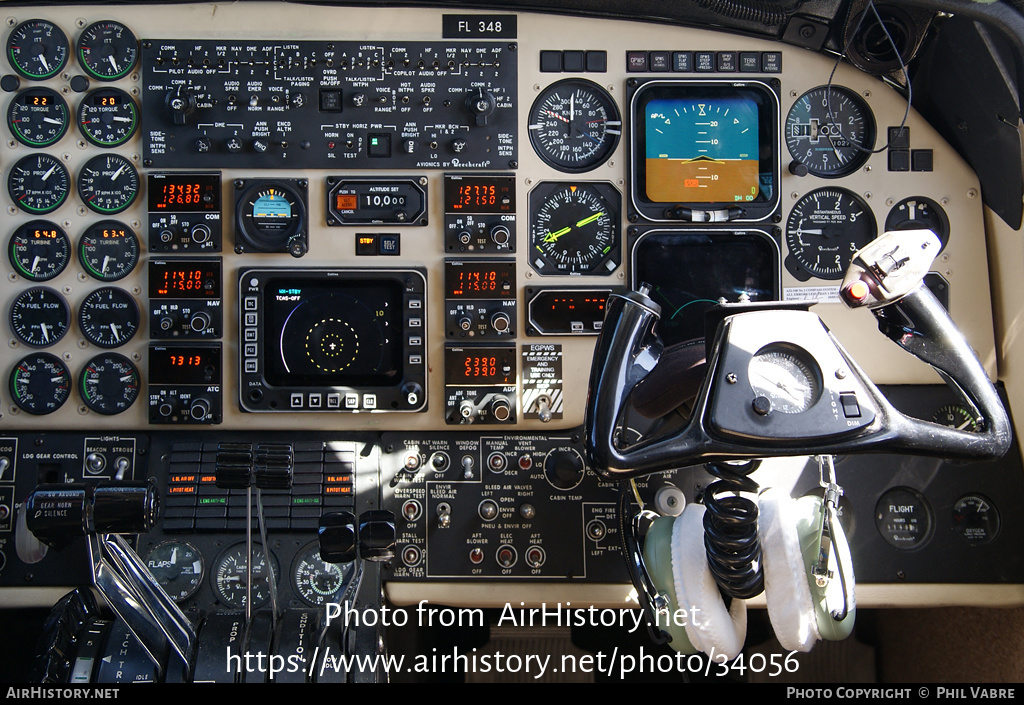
(184, 364)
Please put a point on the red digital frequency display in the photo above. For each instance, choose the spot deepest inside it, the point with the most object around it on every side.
(479, 280)
(479, 366)
(184, 193)
(479, 194)
(181, 364)
(184, 280)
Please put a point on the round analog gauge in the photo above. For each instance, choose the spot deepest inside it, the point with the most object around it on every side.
(789, 379)
(823, 231)
(108, 250)
(38, 117)
(108, 317)
(39, 250)
(39, 183)
(107, 50)
(574, 228)
(904, 518)
(39, 317)
(269, 215)
(108, 183)
(976, 518)
(831, 131)
(109, 383)
(229, 576)
(40, 383)
(956, 416)
(37, 49)
(919, 213)
(574, 125)
(178, 567)
(108, 117)
(315, 580)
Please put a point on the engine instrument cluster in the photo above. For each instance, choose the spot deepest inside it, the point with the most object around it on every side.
(401, 239)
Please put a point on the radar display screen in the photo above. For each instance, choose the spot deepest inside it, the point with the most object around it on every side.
(327, 333)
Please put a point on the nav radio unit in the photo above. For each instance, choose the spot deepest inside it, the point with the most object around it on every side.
(332, 340)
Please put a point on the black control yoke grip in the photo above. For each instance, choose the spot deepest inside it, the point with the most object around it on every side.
(908, 313)
(886, 276)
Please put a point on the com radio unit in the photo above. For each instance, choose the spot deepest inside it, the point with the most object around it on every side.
(332, 340)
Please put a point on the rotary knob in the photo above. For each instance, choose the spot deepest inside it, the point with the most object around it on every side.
(500, 409)
(564, 468)
(199, 409)
(481, 105)
(500, 322)
(180, 103)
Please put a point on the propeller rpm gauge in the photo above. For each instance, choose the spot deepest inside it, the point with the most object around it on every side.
(108, 183)
(574, 125)
(39, 183)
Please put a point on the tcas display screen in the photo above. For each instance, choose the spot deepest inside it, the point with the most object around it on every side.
(322, 333)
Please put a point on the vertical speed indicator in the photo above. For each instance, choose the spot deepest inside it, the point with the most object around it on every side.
(823, 231)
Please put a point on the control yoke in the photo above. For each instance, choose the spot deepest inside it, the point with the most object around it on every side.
(778, 383)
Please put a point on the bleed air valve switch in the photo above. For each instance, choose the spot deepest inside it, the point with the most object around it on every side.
(58, 513)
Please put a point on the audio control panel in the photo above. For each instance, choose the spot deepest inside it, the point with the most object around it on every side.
(327, 104)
